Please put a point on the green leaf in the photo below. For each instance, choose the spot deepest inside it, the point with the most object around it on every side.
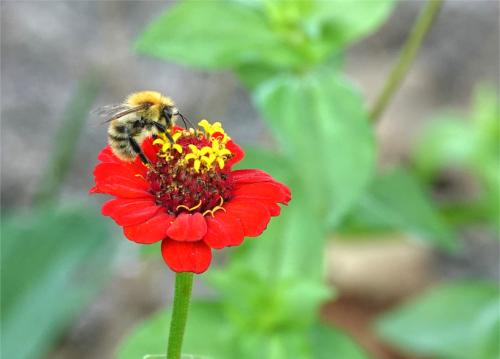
(258, 304)
(53, 262)
(455, 321)
(469, 145)
(213, 35)
(271, 284)
(272, 162)
(348, 21)
(205, 336)
(447, 142)
(209, 334)
(66, 140)
(323, 129)
(285, 234)
(328, 342)
(277, 35)
(396, 201)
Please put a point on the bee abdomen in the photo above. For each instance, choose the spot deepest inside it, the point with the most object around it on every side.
(120, 144)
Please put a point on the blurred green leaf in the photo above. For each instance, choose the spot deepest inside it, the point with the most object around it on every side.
(470, 145)
(53, 262)
(255, 303)
(66, 140)
(277, 34)
(446, 142)
(205, 335)
(213, 35)
(455, 321)
(289, 243)
(272, 162)
(396, 201)
(345, 22)
(328, 343)
(286, 233)
(210, 333)
(323, 129)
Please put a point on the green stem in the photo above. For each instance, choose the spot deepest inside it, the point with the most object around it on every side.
(182, 296)
(406, 57)
(61, 159)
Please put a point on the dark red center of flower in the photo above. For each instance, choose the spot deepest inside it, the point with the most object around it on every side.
(188, 178)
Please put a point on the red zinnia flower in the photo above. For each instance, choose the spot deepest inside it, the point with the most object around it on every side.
(189, 198)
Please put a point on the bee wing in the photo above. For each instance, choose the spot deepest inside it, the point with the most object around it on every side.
(112, 112)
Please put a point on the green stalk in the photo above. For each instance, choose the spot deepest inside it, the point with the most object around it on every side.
(182, 296)
(66, 140)
(406, 57)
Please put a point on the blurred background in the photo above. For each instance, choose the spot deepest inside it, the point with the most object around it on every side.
(411, 263)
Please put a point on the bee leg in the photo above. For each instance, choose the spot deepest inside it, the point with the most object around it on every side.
(137, 149)
(163, 129)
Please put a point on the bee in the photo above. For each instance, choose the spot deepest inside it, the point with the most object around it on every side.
(142, 114)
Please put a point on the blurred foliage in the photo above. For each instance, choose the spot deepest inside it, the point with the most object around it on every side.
(453, 321)
(226, 342)
(470, 145)
(331, 156)
(54, 259)
(396, 201)
(65, 141)
(290, 58)
(53, 263)
(283, 35)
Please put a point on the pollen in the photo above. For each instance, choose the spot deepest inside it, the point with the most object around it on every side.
(190, 174)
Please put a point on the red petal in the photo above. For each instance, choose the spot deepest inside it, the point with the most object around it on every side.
(237, 152)
(120, 181)
(186, 256)
(103, 170)
(151, 231)
(263, 191)
(223, 230)
(150, 150)
(253, 215)
(188, 227)
(107, 156)
(250, 176)
(128, 212)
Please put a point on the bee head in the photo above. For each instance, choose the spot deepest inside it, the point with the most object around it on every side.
(167, 113)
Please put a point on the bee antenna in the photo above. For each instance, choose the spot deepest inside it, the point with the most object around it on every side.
(186, 121)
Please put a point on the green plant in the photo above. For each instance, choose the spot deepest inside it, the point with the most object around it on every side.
(290, 61)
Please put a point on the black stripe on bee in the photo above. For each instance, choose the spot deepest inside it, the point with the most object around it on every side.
(120, 129)
(119, 138)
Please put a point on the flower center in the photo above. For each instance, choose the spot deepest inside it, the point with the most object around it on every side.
(190, 174)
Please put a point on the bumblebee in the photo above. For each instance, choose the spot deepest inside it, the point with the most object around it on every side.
(141, 115)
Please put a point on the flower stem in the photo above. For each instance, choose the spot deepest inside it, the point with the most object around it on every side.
(406, 57)
(182, 296)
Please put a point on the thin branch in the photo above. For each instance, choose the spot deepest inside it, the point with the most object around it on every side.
(406, 57)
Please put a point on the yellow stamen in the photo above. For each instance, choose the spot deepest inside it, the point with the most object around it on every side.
(187, 208)
(215, 209)
(220, 161)
(204, 158)
(177, 147)
(197, 164)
